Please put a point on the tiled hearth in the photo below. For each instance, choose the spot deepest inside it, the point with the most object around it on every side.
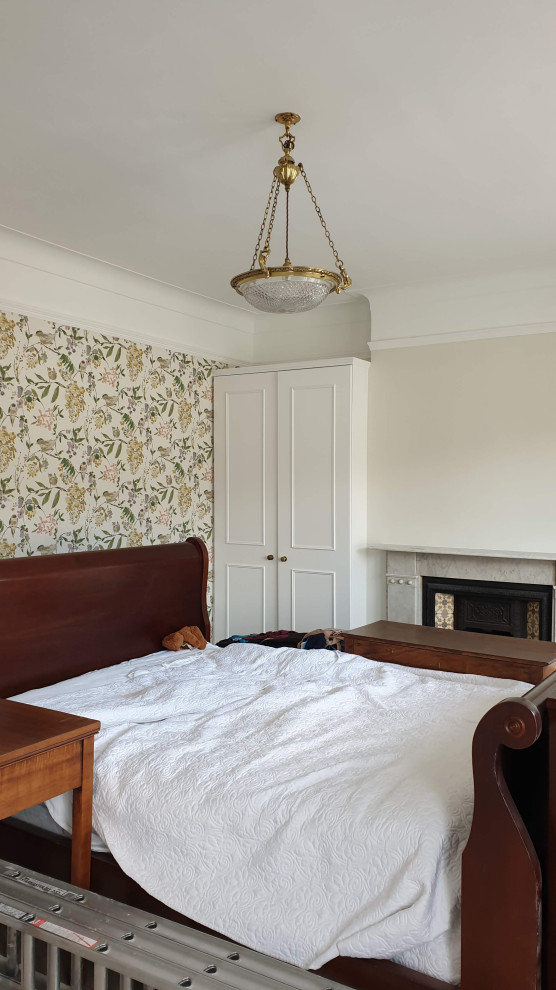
(405, 570)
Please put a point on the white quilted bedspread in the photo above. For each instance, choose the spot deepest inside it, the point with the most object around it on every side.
(308, 804)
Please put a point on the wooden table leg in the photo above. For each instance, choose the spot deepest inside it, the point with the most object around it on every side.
(82, 820)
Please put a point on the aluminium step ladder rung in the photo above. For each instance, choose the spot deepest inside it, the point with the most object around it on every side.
(117, 939)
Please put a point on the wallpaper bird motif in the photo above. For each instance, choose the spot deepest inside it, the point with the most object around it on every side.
(104, 443)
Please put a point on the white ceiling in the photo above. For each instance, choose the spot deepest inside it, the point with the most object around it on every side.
(141, 132)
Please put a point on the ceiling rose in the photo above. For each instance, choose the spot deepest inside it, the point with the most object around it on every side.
(289, 288)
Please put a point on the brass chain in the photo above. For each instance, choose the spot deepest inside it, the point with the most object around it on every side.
(266, 249)
(287, 260)
(263, 225)
(271, 205)
(339, 262)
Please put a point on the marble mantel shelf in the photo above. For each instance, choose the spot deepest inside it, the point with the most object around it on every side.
(465, 551)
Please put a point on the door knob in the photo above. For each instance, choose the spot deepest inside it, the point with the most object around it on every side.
(270, 556)
(283, 558)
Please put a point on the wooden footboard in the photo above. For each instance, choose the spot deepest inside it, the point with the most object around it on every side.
(509, 889)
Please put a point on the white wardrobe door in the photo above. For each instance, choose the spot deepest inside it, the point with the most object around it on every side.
(245, 593)
(314, 430)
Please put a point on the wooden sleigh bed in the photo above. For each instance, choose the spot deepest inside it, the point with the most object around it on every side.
(64, 615)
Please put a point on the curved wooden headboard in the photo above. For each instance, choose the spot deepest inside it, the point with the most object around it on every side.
(66, 614)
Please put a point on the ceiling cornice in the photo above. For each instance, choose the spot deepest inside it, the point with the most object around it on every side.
(461, 336)
(19, 247)
(44, 280)
(509, 304)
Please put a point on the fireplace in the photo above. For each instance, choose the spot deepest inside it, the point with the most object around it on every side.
(502, 608)
(496, 573)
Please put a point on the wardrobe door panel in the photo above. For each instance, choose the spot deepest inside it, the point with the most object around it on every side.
(314, 456)
(245, 591)
(245, 467)
(312, 466)
(246, 597)
(313, 599)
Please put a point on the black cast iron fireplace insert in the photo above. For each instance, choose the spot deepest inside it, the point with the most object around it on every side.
(502, 608)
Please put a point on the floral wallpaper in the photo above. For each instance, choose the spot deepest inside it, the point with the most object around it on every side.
(104, 443)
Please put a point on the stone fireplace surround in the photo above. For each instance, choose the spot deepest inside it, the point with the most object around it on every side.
(405, 567)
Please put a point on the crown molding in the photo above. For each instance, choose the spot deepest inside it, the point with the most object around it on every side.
(50, 258)
(49, 282)
(460, 336)
(509, 304)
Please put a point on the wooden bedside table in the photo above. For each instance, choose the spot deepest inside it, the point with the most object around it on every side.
(45, 753)
(453, 649)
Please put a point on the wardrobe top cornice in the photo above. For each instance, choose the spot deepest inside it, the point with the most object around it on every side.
(290, 366)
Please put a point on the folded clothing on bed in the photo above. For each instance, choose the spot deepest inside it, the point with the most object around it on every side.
(306, 803)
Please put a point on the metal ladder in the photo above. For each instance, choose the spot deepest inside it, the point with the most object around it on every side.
(54, 935)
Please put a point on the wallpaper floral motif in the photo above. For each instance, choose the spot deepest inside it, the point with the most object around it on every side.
(103, 443)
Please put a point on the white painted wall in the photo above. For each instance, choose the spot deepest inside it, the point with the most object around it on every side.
(339, 328)
(462, 445)
(44, 280)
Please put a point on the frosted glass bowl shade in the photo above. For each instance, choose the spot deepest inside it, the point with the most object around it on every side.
(286, 292)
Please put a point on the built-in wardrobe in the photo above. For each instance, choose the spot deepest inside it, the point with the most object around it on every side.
(290, 486)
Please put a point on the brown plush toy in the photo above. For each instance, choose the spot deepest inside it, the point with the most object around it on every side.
(184, 637)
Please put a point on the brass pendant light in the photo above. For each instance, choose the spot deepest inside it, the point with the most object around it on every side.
(289, 288)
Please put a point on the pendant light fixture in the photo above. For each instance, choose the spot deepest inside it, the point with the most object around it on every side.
(289, 288)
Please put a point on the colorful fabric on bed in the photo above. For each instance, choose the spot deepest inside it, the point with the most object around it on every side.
(323, 639)
(276, 639)
(308, 804)
(317, 639)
